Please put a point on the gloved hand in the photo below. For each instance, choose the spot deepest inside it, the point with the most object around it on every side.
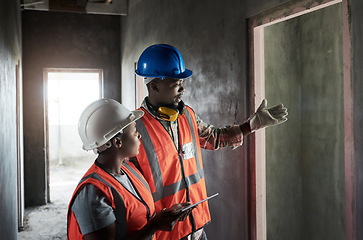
(265, 117)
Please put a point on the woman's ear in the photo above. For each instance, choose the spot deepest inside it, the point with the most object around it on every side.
(117, 142)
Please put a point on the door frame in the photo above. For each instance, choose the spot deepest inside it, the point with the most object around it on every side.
(256, 163)
(20, 145)
(46, 121)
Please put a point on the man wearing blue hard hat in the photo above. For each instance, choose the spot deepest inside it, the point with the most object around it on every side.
(172, 135)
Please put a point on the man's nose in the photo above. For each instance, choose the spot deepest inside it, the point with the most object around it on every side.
(181, 88)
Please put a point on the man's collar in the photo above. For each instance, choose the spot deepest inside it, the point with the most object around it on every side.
(147, 108)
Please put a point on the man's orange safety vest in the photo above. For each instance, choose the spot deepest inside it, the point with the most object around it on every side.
(131, 213)
(174, 175)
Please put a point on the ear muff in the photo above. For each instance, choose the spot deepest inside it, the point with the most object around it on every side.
(171, 113)
(167, 112)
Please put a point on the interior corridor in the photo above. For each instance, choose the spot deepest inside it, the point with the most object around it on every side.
(313, 192)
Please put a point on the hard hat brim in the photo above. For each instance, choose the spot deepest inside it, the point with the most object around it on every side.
(187, 73)
(138, 114)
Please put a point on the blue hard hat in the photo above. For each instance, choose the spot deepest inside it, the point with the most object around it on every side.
(160, 61)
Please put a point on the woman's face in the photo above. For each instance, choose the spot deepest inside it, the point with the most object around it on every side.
(130, 141)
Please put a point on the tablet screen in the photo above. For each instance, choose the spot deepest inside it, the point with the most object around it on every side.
(195, 204)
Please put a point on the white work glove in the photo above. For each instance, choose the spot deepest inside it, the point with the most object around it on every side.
(265, 117)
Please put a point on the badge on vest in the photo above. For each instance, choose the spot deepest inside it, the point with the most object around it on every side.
(188, 151)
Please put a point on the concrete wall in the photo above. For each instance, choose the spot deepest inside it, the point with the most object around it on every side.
(10, 54)
(212, 38)
(305, 160)
(323, 125)
(61, 40)
(357, 86)
(283, 144)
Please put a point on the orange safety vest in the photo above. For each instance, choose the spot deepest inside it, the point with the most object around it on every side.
(130, 212)
(174, 175)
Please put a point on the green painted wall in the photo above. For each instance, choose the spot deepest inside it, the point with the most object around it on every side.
(305, 160)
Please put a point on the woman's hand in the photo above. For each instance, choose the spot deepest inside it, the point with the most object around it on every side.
(166, 219)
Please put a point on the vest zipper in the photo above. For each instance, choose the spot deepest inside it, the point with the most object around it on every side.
(191, 217)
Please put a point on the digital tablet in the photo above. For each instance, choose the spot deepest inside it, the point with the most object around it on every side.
(195, 204)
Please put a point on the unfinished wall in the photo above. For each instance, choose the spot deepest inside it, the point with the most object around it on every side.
(284, 194)
(357, 85)
(61, 40)
(10, 54)
(305, 161)
(211, 36)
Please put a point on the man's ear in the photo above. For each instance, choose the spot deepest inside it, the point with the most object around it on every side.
(154, 86)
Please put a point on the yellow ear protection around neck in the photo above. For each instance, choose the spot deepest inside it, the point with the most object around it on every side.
(167, 112)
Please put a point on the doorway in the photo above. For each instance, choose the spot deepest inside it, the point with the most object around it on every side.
(300, 166)
(69, 91)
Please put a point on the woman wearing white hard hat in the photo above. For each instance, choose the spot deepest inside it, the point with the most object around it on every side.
(113, 200)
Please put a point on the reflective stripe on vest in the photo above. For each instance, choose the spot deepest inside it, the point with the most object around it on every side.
(120, 211)
(136, 174)
(165, 191)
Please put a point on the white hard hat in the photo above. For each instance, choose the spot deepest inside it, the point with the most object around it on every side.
(102, 120)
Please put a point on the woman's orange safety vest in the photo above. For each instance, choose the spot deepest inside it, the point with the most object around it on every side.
(174, 175)
(130, 212)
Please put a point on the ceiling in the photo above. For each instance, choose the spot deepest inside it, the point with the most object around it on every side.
(108, 7)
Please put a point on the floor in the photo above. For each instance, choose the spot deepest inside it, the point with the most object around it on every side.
(49, 221)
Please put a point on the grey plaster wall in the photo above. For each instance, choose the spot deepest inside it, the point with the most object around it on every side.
(203, 31)
(357, 85)
(61, 40)
(212, 38)
(10, 54)
(305, 161)
(284, 194)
